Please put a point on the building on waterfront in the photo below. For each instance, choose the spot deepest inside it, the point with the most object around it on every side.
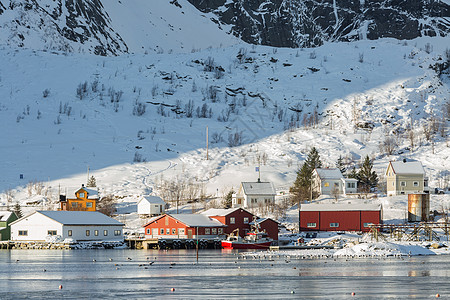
(405, 177)
(85, 200)
(339, 217)
(6, 218)
(151, 206)
(254, 194)
(184, 226)
(241, 219)
(61, 225)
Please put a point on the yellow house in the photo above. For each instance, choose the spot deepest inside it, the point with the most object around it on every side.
(405, 177)
(85, 200)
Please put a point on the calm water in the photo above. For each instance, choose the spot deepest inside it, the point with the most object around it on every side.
(218, 275)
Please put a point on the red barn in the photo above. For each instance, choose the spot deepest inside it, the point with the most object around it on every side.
(339, 217)
(239, 218)
(183, 226)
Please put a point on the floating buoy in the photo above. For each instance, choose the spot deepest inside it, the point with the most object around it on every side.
(45, 270)
(437, 295)
(292, 292)
(172, 289)
(60, 286)
(353, 293)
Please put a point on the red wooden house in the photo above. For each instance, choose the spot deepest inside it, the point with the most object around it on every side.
(239, 218)
(184, 226)
(339, 217)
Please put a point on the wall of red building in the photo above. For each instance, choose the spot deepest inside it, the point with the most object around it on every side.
(271, 228)
(348, 220)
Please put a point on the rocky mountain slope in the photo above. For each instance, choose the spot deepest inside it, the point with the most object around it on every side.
(114, 27)
(309, 23)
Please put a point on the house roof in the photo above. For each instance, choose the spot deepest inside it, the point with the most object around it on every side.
(152, 200)
(407, 167)
(221, 212)
(5, 215)
(261, 220)
(77, 217)
(91, 191)
(329, 173)
(192, 220)
(258, 188)
(340, 207)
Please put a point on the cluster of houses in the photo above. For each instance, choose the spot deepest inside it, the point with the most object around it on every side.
(78, 219)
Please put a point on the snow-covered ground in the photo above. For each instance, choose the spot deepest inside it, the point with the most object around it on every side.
(53, 130)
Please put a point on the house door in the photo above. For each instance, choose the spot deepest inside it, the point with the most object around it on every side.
(154, 231)
(189, 233)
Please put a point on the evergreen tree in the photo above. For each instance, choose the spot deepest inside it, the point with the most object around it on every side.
(91, 182)
(228, 202)
(18, 210)
(367, 179)
(353, 173)
(301, 190)
(340, 165)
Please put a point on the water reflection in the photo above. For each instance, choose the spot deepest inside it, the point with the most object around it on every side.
(135, 274)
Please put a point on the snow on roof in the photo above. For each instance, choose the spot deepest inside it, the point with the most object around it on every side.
(80, 217)
(408, 167)
(340, 207)
(261, 220)
(4, 215)
(331, 173)
(152, 200)
(219, 211)
(197, 220)
(91, 191)
(258, 188)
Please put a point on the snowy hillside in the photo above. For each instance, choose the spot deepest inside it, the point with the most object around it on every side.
(110, 27)
(137, 120)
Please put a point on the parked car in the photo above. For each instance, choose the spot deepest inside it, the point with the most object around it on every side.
(439, 191)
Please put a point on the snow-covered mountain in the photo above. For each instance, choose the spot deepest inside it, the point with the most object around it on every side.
(115, 27)
(135, 120)
(308, 23)
(110, 27)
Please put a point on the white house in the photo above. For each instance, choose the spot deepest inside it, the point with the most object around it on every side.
(254, 194)
(75, 225)
(327, 181)
(151, 205)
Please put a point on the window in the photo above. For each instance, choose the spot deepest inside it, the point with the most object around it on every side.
(402, 183)
(161, 231)
(117, 232)
(246, 220)
(207, 231)
(336, 184)
(74, 204)
(351, 185)
(232, 220)
(105, 232)
(367, 224)
(254, 200)
(88, 232)
(167, 230)
(214, 230)
(181, 231)
(69, 232)
(88, 204)
(416, 183)
(334, 224)
(220, 230)
(326, 184)
(148, 230)
(96, 232)
(81, 195)
(167, 221)
(174, 231)
(51, 232)
(23, 232)
(311, 225)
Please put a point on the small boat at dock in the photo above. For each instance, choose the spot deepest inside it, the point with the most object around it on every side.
(255, 239)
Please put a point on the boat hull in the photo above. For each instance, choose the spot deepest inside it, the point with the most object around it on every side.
(241, 245)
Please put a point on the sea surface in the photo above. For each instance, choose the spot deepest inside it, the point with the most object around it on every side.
(218, 274)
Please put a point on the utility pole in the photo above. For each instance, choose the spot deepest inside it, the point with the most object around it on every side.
(87, 175)
(207, 143)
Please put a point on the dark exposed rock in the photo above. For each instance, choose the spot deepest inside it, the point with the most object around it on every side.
(307, 23)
